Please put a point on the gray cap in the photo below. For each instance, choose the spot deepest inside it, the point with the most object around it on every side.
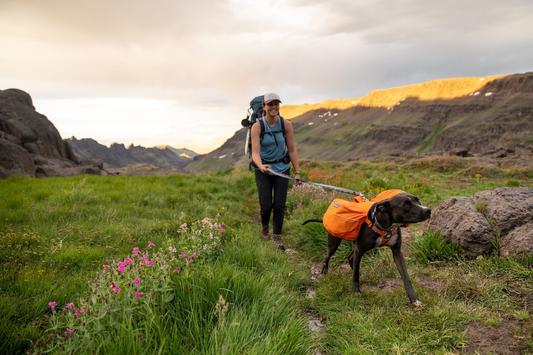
(271, 97)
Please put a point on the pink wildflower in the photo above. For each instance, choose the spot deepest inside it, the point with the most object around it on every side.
(136, 251)
(194, 255)
(177, 269)
(150, 244)
(138, 294)
(106, 266)
(121, 267)
(211, 235)
(183, 227)
(69, 331)
(147, 261)
(137, 281)
(80, 310)
(115, 288)
(127, 261)
(172, 249)
(70, 305)
(52, 305)
(184, 254)
(221, 229)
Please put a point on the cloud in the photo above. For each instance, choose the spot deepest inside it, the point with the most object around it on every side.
(219, 54)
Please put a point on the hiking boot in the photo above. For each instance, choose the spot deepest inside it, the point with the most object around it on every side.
(277, 240)
(264, 233)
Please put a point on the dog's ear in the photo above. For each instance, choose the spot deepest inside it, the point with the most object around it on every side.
(384, 207)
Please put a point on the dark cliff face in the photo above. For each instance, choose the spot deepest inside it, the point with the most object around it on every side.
(117, 155)
(30, 144)
(497, 116)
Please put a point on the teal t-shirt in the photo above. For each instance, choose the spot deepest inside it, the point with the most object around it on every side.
(270, 151)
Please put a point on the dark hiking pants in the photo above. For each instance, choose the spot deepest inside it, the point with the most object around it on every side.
(266, 184)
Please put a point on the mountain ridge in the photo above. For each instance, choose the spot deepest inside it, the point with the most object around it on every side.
(494, 112)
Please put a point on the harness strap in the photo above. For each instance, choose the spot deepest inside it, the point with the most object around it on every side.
(385, 233)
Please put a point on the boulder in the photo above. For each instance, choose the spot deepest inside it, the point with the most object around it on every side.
(519, 242)
(459, 221)
(30, 144)
(15, 160)
(477, 224)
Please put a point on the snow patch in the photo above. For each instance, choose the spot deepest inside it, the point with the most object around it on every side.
(488, 94)
(311, 123)
(222, 156)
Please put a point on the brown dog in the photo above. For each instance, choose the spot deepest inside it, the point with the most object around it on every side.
(388, 214)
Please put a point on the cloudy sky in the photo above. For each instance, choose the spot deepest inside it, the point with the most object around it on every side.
(182, 72)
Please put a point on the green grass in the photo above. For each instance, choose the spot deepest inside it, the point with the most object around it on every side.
(56, 233)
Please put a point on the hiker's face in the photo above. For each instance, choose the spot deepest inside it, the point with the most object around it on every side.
(272, 108)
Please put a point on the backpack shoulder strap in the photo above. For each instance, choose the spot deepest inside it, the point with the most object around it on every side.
(262, 125)
(282, 124)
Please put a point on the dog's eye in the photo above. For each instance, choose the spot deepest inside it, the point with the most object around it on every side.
(407, 203)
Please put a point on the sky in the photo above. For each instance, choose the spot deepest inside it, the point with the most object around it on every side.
(183, 72)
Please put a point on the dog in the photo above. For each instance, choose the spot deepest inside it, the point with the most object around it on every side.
(382, 228)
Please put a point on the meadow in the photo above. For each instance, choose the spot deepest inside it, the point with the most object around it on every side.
(174, 264)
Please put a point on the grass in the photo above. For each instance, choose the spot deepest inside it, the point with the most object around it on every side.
(56, 233)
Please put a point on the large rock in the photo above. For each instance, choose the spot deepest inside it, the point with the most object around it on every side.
(14, 160)
(459, 221)
(519, 241)
(30, 144)
(478, 224)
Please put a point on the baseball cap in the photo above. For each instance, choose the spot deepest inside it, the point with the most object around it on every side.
(271, 97)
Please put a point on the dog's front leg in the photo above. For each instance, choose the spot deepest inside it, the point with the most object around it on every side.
(400, 264)
(356, 260)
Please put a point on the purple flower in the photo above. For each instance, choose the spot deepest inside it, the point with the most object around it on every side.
(80, 310)
(138, 294)
(177, 269)
(115, 288)
(137, 281)
(127, 261)
(52, 305)
(70, 305)
(106, 266)
(184, 254)
(136, 251)
(68, 331)
(121, 267)
(147, 261)
(150, 244)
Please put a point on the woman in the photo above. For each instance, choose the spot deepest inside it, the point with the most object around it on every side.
(273, 150)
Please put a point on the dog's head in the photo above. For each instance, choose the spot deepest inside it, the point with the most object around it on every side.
(402, 208)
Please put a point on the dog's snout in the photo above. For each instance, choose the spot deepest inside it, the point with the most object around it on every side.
(428, 213)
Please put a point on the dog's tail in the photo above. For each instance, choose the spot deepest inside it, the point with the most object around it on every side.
(312, 220)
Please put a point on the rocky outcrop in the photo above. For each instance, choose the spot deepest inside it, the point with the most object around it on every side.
(30, 144)
(495, 220)
(118, 156)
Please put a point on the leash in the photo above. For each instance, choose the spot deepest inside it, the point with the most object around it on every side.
(323, 186)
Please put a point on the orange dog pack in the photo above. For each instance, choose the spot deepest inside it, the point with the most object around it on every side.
(343, 219)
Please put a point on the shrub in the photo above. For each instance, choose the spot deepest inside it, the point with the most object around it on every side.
(132, 296)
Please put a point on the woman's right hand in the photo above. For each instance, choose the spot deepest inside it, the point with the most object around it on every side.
(264, 168)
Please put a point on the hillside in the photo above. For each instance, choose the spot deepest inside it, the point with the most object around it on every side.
(118, 156)
(478, 115)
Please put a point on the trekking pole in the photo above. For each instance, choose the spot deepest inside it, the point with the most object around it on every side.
(324, 186)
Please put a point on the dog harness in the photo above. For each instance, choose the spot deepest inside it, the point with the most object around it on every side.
(343, 219)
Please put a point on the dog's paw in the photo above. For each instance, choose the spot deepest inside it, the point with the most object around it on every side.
(417, 304)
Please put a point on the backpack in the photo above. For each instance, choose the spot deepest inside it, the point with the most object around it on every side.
(255, 113)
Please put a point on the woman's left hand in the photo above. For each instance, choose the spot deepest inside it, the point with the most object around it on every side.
(298, 179)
